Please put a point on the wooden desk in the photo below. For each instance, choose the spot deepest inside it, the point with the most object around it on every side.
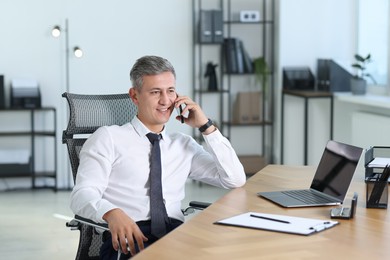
(367, 236)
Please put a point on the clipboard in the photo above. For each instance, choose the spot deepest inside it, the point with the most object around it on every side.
(278, 223)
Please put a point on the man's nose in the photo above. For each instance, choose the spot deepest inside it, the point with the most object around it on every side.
(164, 98)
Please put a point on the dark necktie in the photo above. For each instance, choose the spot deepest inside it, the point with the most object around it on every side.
(158, 213)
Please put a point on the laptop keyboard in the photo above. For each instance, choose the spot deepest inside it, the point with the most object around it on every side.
(307, 196)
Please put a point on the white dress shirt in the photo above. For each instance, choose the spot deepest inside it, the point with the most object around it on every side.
(114, 170)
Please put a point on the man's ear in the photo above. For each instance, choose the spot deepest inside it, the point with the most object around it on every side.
(133, 95)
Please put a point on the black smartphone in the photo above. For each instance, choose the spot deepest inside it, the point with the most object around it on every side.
(345, 213)
(179, 110)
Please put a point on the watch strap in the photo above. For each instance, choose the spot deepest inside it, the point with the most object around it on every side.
(205, 126)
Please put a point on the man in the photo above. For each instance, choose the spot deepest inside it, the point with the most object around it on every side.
(113, 182)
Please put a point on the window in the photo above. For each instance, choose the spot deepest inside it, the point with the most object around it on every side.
(373, 37)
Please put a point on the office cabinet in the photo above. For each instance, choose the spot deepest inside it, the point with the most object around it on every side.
(21, 137)
(231, 95)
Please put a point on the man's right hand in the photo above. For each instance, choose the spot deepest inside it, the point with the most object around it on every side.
(123, 229)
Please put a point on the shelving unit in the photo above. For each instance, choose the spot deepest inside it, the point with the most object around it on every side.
(31, 133)
(258, 40)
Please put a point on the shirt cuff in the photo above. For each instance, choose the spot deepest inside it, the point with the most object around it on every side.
(213, 137)
(103, 209)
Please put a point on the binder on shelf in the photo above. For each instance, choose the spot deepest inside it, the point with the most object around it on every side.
(278, 223)
(205, 26)
(217, 26)
(211, 26)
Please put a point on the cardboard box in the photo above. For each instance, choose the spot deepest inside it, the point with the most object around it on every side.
(248, 107)
(252, 163)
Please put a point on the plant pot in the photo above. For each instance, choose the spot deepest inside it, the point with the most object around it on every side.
(358, 86)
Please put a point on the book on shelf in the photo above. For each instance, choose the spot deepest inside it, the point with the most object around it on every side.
(236, 57)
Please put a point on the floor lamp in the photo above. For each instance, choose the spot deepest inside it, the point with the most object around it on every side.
(78, 53)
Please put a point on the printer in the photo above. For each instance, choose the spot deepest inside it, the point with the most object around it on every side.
(25, 93)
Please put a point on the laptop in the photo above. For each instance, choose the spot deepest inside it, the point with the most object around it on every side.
(330, 183)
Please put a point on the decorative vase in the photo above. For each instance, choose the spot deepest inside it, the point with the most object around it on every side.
(358, 86)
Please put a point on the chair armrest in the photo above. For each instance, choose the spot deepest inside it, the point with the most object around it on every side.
(74, 223)
(199, 204)
(195, 205)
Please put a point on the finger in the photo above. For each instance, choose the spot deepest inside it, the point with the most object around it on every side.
(180, 118)
(140, 242)
(140, 238)
(179, 102)
(114, 241)
(183, 100)
(187, 108)
(123, 245)
(131, 246)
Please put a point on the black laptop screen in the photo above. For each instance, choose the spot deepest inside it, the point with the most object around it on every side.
(336, 168)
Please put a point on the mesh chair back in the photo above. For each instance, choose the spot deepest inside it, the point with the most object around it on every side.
(86, 114)
(89, 112)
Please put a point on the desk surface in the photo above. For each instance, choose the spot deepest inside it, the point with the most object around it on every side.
(367, 236)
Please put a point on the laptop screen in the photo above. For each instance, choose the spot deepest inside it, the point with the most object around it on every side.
(336, 168)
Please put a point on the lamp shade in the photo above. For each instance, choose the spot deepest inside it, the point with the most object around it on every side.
(56, 31)
(77, 52)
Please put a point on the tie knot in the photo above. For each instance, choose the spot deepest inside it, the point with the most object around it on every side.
(153, 137)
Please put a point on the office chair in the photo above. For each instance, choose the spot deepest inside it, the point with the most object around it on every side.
(86, 114)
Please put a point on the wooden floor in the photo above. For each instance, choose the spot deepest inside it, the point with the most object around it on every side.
(30, 227)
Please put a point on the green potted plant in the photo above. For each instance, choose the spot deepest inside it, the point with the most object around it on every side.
(358, 81)
(261, 71)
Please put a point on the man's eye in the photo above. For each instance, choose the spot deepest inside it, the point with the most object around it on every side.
(155, 92)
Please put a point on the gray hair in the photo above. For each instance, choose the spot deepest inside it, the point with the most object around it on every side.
(149, 65)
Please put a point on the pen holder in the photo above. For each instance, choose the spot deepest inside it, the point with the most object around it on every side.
(376, 193)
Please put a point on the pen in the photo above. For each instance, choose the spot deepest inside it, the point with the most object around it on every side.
(272, 219)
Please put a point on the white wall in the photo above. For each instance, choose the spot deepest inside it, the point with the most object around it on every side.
(113, 34)
(309, 30)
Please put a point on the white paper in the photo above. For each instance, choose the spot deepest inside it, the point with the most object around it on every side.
(379, 162)
(17, 156)
(24, 83)
(296, 225)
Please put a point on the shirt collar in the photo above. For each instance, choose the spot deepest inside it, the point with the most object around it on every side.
(142, 130)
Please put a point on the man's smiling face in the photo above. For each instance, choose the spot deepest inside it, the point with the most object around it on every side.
(155, 100)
